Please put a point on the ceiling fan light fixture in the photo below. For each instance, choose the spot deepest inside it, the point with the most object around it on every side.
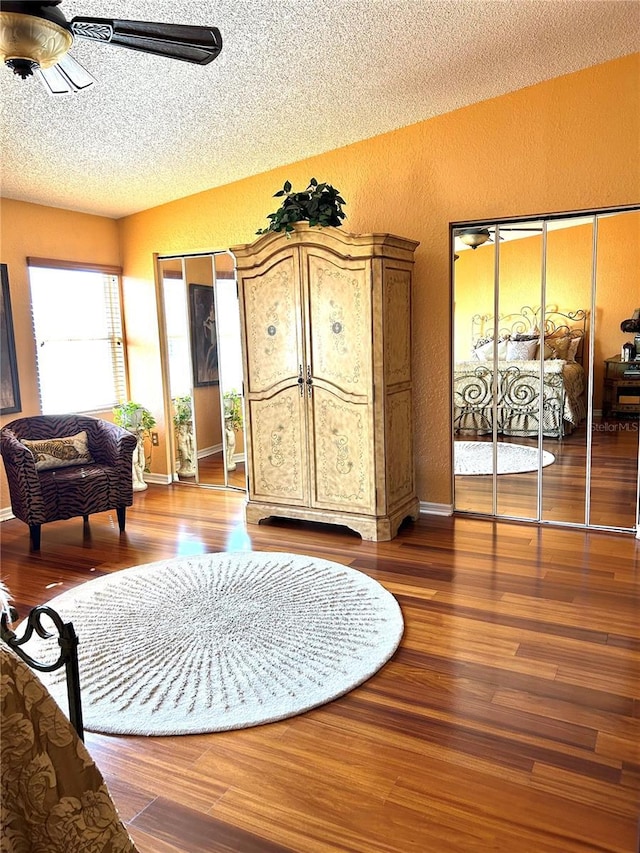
(28, 42)
(474, 237)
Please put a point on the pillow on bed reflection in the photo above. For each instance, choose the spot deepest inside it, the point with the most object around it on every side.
(484, 351)
(574, 343)
(559, 347)
(522, 350)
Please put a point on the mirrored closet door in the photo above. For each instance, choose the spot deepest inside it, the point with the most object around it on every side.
(203, 368)
(546, 413)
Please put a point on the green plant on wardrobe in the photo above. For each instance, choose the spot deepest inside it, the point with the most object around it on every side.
(319, 204)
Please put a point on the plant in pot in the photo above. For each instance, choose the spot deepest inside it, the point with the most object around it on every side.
(319, 204)
(139, 421)
(233, 422)
(183, 423)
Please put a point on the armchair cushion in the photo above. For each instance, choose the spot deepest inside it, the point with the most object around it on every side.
(60, 452)
(73, 491)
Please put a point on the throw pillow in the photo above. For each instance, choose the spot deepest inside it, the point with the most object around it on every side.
(559, 346)
(60, 452)
(574, 343)
(525, 336)
(522, 350)
(483, 351)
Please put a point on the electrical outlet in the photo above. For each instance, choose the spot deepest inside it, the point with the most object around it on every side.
(154, 439)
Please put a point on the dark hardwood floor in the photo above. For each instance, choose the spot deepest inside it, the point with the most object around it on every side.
(508, 719)
(614, 466)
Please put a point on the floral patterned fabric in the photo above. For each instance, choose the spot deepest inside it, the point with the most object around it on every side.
(54, 799)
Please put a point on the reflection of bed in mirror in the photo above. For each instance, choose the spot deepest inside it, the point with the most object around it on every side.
(523, 379)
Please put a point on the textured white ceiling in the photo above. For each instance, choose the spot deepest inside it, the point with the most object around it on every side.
(295, 78)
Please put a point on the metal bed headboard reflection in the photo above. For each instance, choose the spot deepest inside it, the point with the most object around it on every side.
(530, 321)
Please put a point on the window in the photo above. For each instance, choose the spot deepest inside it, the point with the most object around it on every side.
(78, 332)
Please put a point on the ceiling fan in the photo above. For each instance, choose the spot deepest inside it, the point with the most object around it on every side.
(35, 38)
(474, 237)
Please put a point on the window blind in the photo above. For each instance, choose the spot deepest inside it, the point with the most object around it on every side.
(78, 330)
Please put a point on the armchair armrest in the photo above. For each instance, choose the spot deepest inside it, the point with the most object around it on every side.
(17, 455)
(14, 450)
(112, 445)
(22, 477)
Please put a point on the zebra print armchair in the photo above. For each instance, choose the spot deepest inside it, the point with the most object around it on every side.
(62, 466)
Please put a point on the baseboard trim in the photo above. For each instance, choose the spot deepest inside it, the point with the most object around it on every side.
(427, 508)
(6, 514)
(209, 451)
(158, 479)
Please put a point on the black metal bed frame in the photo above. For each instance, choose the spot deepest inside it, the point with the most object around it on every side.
(528, 320)
(68, 657)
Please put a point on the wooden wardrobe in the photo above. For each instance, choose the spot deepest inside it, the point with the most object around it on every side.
(326, 343)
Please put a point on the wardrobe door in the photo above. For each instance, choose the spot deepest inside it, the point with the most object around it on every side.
(272, 324)
(339, 323)
(274, 397)
(340, 387)
(277, 450)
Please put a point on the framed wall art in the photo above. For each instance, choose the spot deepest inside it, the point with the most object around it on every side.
(204, 339)
(9, 387)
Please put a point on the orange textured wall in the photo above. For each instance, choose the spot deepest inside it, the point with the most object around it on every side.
(31, 230)
(566, 144)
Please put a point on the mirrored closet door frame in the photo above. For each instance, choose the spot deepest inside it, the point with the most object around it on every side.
(202, 368)
(581, 456)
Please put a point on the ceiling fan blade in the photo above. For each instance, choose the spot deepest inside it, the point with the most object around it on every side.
(199, 45)
(65, 77)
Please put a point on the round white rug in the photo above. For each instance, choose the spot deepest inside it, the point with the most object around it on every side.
(476, 457)
(223, 641)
